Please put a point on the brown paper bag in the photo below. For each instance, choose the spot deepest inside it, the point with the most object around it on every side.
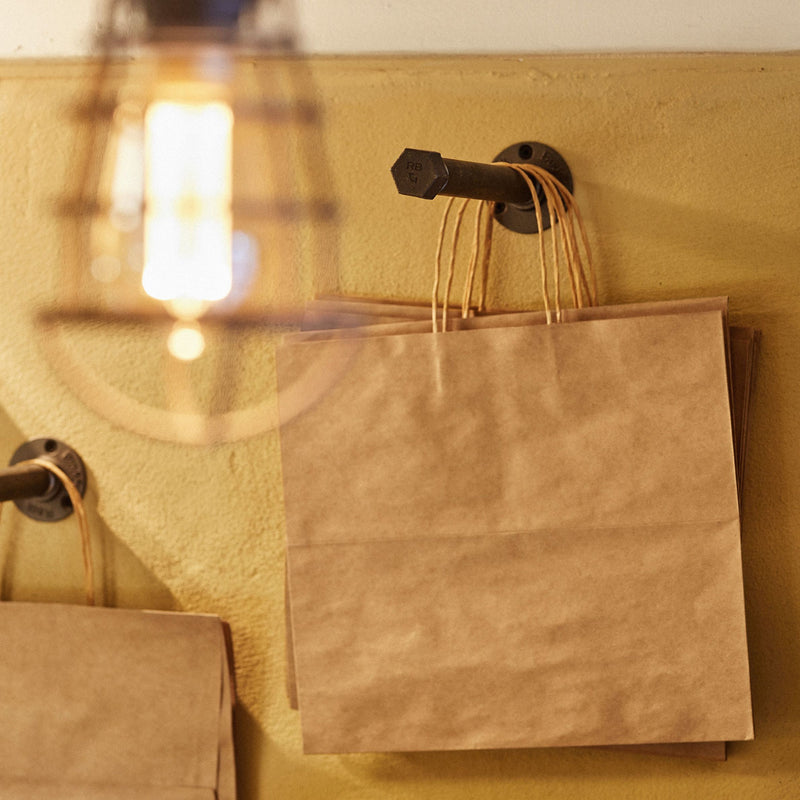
(106, 703)
(449, 494)
(113, 704)
(334, 312)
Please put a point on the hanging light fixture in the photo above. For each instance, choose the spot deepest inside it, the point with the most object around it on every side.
(196, 201)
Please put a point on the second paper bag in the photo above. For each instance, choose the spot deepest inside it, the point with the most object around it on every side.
(516, 537)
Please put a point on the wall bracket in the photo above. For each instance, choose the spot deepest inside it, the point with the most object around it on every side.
(35, 490)
(426, 174)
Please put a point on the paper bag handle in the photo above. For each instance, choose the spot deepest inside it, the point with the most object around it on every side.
(80, 515)
(564, 210)
(567, 213)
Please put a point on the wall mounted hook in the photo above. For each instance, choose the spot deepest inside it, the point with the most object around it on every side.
(426, 174)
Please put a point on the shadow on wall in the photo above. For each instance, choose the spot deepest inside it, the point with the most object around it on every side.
(250, 744)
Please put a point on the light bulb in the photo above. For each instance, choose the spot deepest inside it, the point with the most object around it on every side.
(188, 225)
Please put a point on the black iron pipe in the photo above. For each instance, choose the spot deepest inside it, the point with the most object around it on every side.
(25, 480)
(485, 182)
(424, 173)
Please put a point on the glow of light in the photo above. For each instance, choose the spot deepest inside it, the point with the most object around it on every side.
(188, 219)
(186, 341)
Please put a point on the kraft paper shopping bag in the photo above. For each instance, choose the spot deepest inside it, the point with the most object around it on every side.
(338, 312)
(520, 440)
(114, 704)
(115, 699)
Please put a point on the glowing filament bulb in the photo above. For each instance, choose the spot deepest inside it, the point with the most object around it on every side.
(188, 218)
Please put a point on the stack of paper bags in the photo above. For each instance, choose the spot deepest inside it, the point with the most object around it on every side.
(516, 534)
(110, 704)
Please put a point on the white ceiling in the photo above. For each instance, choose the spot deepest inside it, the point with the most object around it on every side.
(50, 28)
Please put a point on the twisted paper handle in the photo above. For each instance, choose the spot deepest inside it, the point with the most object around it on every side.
(564, 215)
(564, 211)
(83, 523)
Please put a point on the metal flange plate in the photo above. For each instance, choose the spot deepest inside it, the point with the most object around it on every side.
(55, 503)
(522, 219)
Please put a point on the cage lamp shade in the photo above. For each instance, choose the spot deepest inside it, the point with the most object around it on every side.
(194, 195)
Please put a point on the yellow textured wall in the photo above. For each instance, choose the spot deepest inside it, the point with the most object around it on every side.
(687, 171)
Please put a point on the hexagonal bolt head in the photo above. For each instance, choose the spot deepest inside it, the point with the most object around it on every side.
(420, 173)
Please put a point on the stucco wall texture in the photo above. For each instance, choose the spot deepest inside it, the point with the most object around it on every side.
(687, 173)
